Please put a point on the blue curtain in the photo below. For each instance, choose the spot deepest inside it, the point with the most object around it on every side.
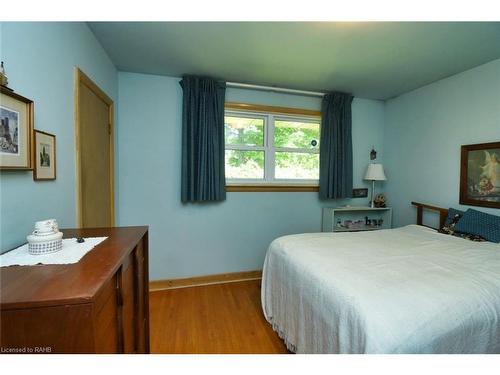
(335, 159)
(203, 176)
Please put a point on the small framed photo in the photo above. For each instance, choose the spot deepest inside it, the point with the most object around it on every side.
(45, 156)
(360, 193)
(480, 175)
(16, 131)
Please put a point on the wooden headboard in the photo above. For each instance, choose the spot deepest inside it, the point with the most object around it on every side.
(443, 212)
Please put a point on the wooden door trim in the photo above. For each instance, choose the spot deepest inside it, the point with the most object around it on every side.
(82, 78)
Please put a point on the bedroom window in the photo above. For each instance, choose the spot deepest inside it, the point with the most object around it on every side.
(267, 150)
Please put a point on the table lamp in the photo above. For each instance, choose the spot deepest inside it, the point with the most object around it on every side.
(374, 172)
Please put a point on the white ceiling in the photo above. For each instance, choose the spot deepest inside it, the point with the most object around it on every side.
(372, 60)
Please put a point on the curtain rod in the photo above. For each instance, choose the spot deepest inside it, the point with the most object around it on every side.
(275, 89)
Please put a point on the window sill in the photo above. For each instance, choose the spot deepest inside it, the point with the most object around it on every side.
(271, 188)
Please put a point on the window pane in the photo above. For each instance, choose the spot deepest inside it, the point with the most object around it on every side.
(244, 164)
(295, 134)
(244, 131)
(296, 165)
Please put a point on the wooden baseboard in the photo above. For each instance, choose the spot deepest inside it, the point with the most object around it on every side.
(222, 278)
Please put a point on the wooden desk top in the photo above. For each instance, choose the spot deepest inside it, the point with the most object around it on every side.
(48, 285)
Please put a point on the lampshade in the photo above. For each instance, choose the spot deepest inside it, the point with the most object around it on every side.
(375, 172)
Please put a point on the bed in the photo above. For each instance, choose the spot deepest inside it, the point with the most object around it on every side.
(405, 290)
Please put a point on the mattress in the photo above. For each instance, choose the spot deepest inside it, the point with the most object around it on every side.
(405, 290)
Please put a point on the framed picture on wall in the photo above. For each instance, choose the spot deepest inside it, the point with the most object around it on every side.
(16, 129)
(45, 156)
(359, 192)
(480, 175)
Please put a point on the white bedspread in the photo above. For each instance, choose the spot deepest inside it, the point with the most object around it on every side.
(405, 290)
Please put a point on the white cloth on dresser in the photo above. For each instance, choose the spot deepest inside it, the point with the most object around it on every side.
(405, 290)
(71, 252)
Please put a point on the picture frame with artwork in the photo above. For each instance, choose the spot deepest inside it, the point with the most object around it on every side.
(16, 131)
(359, 192)
(480, 175)
(44, 156)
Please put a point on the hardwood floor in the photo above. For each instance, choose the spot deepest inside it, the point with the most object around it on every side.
(223, 318)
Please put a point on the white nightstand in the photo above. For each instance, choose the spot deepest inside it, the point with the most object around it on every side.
(332, 216)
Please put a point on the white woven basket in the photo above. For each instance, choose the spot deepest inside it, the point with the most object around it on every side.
(47, 247)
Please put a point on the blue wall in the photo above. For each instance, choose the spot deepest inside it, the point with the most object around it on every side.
(202, 239)
(40, 59)
(424, 130)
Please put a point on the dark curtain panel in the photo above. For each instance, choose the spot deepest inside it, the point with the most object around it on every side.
(335, 160)
(203, 176)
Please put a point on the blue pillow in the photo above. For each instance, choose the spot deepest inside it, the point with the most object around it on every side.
(481, 224)
(452, 212)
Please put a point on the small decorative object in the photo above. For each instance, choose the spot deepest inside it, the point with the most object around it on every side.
(480, 175)
(373, 154)
(3, 77)
(360, 193)
(379, 200)
(45, 156)
(353, 224)
(80, 239)
(16, 129)
(45, 239)
(374, 172)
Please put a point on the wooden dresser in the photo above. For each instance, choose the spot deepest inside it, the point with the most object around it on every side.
(98, 305)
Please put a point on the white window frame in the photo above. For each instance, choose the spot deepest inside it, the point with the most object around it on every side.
(270, 150)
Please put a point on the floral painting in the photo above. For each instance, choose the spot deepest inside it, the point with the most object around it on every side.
(480, 175)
